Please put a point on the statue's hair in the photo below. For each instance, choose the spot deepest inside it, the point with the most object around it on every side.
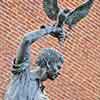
(49, 55)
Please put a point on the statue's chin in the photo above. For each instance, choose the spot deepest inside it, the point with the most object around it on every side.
(51, 77)
(47, 76)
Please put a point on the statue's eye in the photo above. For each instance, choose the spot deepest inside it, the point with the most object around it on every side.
(59, 67)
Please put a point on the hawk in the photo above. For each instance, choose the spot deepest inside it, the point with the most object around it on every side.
(66, 16)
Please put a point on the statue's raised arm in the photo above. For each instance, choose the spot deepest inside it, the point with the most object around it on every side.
(23, 52)
(27, 84)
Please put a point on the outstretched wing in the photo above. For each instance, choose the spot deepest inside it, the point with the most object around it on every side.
(79, 13)
(51, 8)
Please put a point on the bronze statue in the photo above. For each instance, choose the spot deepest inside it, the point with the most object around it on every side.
(26, 84)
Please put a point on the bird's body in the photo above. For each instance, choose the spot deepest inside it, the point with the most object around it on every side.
(66, 16)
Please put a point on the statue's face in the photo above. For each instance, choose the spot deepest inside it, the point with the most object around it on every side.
(53, 70)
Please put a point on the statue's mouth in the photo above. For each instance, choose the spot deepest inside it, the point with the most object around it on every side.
(53, 76)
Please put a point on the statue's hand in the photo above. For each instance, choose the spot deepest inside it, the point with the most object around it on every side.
(51, 29)
(59, 34)
(56, 32)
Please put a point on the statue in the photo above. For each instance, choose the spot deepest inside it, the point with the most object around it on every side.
(26, 84)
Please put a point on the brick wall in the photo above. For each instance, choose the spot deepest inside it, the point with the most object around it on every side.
(80, 75)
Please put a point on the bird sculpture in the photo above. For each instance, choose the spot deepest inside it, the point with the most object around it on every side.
(66, 16)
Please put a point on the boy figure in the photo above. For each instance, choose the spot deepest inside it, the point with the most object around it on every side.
(26, 84)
